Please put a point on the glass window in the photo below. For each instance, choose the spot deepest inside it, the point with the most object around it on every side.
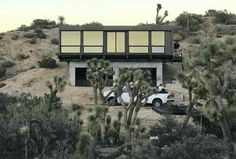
(138, 38)
(93, 50)
(111, 42)
(158, 50)
(70, 49)
(115, 42)
(93, 38)
(70, 38)
(158, 38)
(138, 49)
(120, 42)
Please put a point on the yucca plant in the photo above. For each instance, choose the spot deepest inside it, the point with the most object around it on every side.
(83, 145)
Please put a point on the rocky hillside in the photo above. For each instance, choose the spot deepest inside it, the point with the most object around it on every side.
(21, 49)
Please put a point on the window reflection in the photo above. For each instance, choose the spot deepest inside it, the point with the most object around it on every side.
(70, 38)
(115, 42)
(138, 49)
(93, 38)
(158, 38)
(93, 50)
(70, 49)
(138, 38)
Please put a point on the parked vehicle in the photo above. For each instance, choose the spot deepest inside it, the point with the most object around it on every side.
(155, 99)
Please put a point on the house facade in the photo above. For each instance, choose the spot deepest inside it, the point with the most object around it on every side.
(146, 47)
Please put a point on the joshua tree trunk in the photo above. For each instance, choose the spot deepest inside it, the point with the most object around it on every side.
(95, 95)
(101, 96)
(190, 108)
(223, 121)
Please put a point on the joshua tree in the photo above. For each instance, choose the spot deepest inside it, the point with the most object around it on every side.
(190, 80)
(61, 19)
(137, 83)
(159, 19)
(59, 85)
(215, 62)
(97, 73)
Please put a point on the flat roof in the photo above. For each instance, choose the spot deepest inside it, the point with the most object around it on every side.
(115, 28)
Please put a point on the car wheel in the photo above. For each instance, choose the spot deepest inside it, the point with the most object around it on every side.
(156, 103)
(111, 101)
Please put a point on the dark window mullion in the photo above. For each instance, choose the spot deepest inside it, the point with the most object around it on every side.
(127, 42)
(149, 42)
(104, 42)
(82, 42)
(115, 41)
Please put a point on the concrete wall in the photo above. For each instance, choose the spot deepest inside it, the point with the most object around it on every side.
(117, 65)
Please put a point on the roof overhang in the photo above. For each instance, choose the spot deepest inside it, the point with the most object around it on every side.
(118, 28)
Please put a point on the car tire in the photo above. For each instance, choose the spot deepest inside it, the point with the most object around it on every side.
(156, 103)
(111, 101)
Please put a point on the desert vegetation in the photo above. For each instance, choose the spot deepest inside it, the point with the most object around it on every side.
(43, 126)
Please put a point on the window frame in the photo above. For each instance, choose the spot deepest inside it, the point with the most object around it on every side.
(83, 46)
(70, 46)
(157, 46)
(116, 42)
(138, 46)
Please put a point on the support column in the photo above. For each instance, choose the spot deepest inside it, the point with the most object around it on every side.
(159, 74)
(72, 74)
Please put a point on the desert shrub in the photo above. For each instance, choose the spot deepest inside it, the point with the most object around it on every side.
(208, 127)
(55, 41)
(190, 22)
(15, 37)
(38, 30)
(2, 85)
(195, 40)
(39, 33)
(33, 41)
(30, 35)
(211, 12)
(28, 100)
(230, 41)
(169, 131)
(83, 145)
(24, 28)
(42, 35)
(92, 25)
(223, 17)
(2, 70)
(47, 62)
(226, 29)
(58, 134)
(5, 101)
(22, 56)
(1, 37)
(178, 36)
(7, 63)
(27, 119)
(53, 102)
(43, 24)
(199, 147)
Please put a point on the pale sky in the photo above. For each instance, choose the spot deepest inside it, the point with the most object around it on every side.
(14, 13)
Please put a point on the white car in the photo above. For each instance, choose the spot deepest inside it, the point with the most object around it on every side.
(155, 99)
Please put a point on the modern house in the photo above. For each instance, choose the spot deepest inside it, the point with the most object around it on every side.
(146, 46)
